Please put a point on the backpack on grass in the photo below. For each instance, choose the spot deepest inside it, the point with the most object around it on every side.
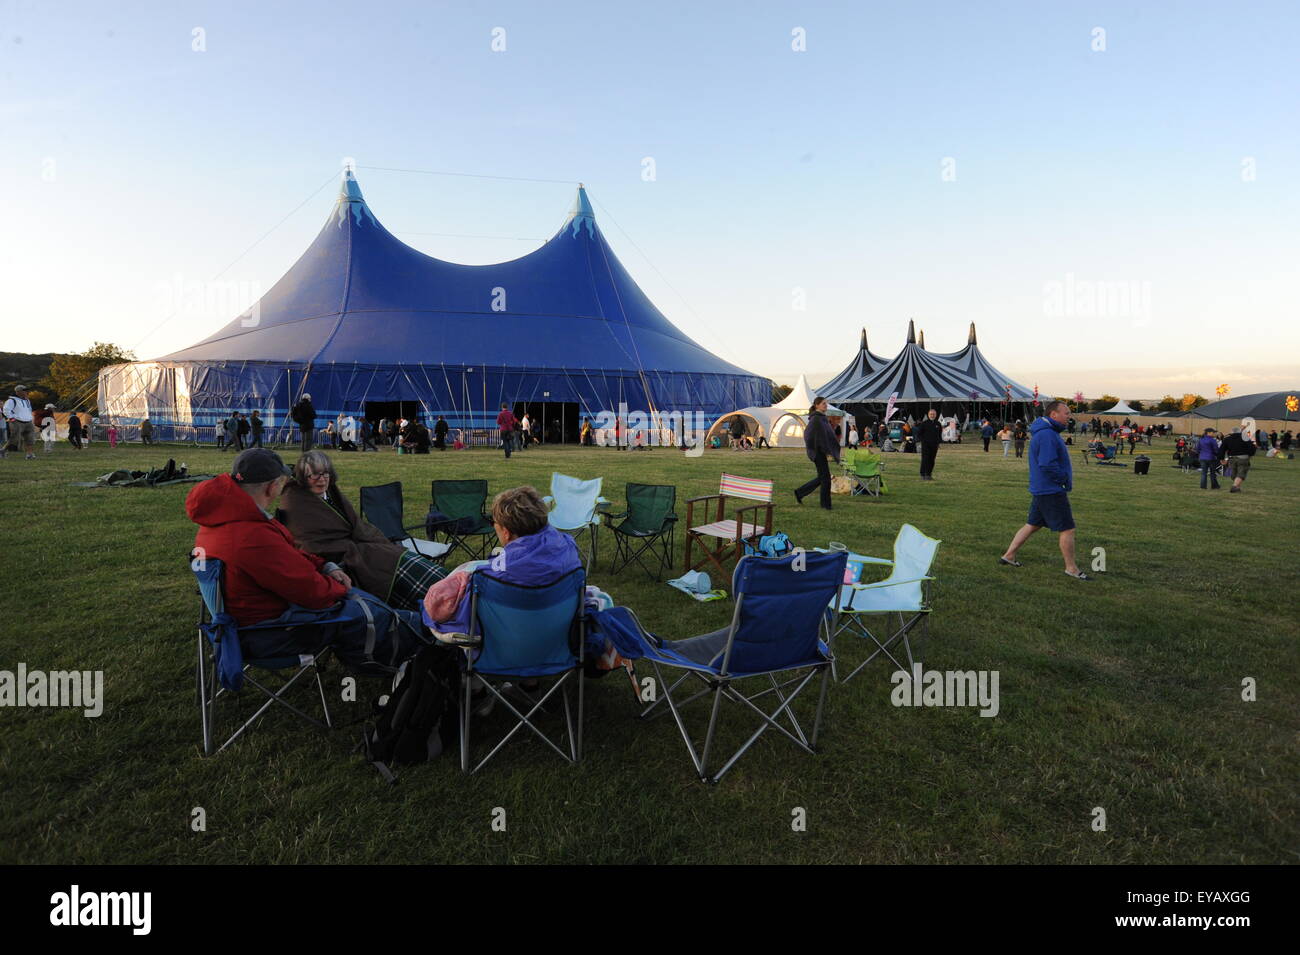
(418, 718)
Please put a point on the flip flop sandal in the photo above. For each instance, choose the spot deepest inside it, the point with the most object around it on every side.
(1009, 563)
(1079, 576)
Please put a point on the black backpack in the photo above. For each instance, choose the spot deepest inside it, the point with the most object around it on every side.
(419, 717)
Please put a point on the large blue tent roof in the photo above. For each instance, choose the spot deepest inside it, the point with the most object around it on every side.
(362, 317)
(360, 295)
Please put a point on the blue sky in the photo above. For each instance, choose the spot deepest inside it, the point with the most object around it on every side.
(948, 162)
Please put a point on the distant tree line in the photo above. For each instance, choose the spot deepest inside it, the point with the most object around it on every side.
(68, 381)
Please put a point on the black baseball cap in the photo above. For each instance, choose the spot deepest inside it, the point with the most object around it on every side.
(257, 466)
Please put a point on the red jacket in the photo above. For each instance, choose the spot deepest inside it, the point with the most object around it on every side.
(506, 420)
(265, 570)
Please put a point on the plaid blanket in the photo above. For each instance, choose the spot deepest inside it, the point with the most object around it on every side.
(414, 576)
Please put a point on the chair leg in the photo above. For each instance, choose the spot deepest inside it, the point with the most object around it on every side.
(468, 682)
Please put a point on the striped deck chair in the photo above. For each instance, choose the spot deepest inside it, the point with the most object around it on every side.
(730, 534)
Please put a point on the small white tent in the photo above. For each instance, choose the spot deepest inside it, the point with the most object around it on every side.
(1121, 407)
(799, 400)
(782, 423)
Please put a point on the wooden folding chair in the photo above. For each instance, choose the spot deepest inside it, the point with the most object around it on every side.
(729, 533)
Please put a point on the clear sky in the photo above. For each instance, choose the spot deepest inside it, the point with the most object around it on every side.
(1116, 211)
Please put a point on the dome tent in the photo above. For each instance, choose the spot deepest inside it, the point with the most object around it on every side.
(362, 317)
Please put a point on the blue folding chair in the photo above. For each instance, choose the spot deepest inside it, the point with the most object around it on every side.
(524, 632)
(905, 592)
(574, 507)
(222, 668)
(777, 629)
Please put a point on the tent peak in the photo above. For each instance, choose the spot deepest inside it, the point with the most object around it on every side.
(970, 339)
(581, 214)
(863, 346)
(911, 331)
(920, 342)
(350, 197)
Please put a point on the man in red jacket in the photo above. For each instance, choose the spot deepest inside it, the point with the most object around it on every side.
(506, 422)
(267, 578)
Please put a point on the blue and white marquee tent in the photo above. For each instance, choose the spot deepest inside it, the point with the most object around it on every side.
(361, 317)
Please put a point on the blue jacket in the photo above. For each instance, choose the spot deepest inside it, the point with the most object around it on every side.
(1050, 471)
(1207, 448)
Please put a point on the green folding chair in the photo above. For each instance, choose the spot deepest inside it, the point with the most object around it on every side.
(463, 520)
(646, 529)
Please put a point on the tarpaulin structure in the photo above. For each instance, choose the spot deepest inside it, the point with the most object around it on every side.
(362, 317)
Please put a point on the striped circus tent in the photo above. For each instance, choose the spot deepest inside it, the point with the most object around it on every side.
(971, 362)
(863, 366)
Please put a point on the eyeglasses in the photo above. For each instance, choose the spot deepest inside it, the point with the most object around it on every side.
(319, 476)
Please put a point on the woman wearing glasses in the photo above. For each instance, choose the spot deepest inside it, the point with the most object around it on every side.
(323, 522)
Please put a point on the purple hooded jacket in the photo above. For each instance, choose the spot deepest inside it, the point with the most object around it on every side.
(532, 560)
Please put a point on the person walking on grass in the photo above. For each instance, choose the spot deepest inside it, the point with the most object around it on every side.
(986, 433)
(1005, 437)
(18, 415)
(1237, 451)
(1051, 479)
(506, 424)
(1207, 456)
(819, 444)
(930, 433)
(1020, 434)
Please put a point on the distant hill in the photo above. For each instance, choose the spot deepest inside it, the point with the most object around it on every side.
(19, 368)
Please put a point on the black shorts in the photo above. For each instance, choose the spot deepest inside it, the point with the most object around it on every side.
(1051, 511)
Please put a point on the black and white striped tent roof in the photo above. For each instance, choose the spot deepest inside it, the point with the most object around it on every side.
(918, 375)
(863, 366)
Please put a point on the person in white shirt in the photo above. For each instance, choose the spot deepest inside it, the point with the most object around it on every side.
(526, 426)
(18, 414)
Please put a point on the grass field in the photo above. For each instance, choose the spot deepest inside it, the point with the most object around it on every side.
(1124, 694)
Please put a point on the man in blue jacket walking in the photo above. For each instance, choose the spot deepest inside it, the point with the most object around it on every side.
(1051, 479)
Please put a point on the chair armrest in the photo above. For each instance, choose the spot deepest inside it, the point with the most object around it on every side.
(706, 497)
(888, 583)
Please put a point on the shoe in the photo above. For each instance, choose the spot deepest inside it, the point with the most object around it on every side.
(1009, 563)
(1079, 576)
(797, 498)
(1234, 490)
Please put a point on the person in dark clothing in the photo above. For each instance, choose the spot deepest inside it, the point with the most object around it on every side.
(416, 439)
(1019, 435)
(986, 433)
(737, 430)
(929, 433)
(819, 444)
(1237, 451)
(74, 431)
(304, 416)
(255, 427)
(506, 425)
(243, 432)
(440, 434)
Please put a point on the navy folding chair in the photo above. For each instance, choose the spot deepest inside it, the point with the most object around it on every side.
(525, 632)
(222, 668)
(778, 631)
(381, 505)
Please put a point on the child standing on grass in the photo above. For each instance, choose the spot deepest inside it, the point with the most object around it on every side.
(49, 430)
(112, 436)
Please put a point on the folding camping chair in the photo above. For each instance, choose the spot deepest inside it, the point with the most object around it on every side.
(646, 527)
(382, 506)
(904, 592)
(219, 650)
(865, 469)
(462, 506)
(524, 632)
(732, 534)
(775, 633)
(575, 506)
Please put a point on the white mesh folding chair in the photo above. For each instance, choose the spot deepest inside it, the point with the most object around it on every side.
(574, 507)
(905, 592)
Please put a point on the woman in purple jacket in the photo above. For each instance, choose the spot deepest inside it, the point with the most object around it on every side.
(1208, 456)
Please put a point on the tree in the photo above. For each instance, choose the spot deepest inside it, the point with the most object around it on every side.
(1191, 401)
(780, 392)
(1168, 403)
(1102, 403)
(73, 377)
(1135, 405)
